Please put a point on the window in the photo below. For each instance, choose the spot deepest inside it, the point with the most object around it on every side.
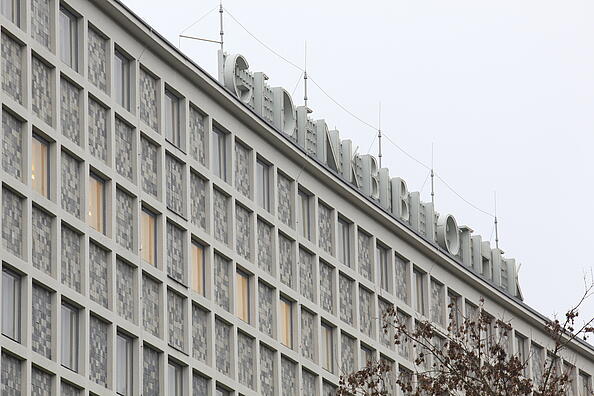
(327, 350)
(68, 38)
(69, 337)
(175, 384)
(11, 305)
(383, 267)
(585, 384)
(286, 322)
(367, 355)
(219, 153)
(263, 184)
(419, 279)
(40, 165)
(121, 79)
(11, 9)
(344, 242)
(148, 237)
(124, 365)
(304, 211)
(521, 349)
(242, 296)
(198, 278)
(454, 310)
(222, 392)
(96, 203)
(172, 127)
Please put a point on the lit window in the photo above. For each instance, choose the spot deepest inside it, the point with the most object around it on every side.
(327, 350)
(40, 166)
(175, 383)
(121, 78)
(383, 267)
(219, 153)
(148, 242)
(304, 211)
(96, 203)
(286, 322)
(242, 296)
(198, 278)
(11, 9)
(263, 184)
(124, 365)
(68, 38)
(11, 305)
(172, 128)
(419, 279)
(69, 337)
(344, 242)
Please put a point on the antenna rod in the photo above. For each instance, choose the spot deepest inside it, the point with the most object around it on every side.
(221, 22)
(496, 225)
(432, 179)
(379, 135)
(305, 77)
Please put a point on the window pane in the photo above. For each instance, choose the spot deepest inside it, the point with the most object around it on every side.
(124, 365)
(122, 80)
(68, 39)
(286, 322)
(148, 243)
(327, 348)
(11, 305)
(305, 219)
(172, 118)
(263, 185)
(242, 300)
(344, 245)
(11, 10)
(96, 203)
(40, 166)
(175, 379)
(69, 337)
(198, 269)
(219, 154)
(420, 292)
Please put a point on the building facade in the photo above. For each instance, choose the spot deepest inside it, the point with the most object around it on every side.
(166, 232)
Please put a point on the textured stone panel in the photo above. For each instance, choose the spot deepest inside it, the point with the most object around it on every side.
(175, 308)
(124, 162)
(326, 228)
(12, 222)
(149, 167)
(98, 119)
(285, 208)
(308, 348)
(386, 337)
(242, 169)
(326, 287)
(150, 372)
(71, 260)
(265, 246)
(175, 253)
(98, 359)
(41, 320)
(149, 112)
(71, 185)
(267, 387)
(97, 60)
(198, 136)
(41, 383)
(306, 274)
(125, 290)
(221, 216)
(328, 389)
(11, 376)
(68, 390)
(40, 22)
(266, 309)
(243, 232)
(200, 339)
(98, 274)
(12, 68)
(41, 89)
(41, 231)
(366, 316)
(125, 219)
(70, 110)
(365, 267)
(199, 385)
(222, 268)
(346, 295)
(246, 369)
(198, 191)
(223, 347)
(347, 352)
(175, 185)
(309, 383)
(286, 261)
(289, 377)
(12, 145)
(150, 305)
(437, 303)
(401, 275)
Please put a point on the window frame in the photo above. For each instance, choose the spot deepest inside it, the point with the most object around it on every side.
(263, 184)
(122, 79)
(15, 7)
(242, 295)
(127, 359)
(11, 303)
(327, 347)
(198, 268)
(178, 375)
(70, 337)
(99, 199)
(148, 214)
(219, 153)
(73, 38)
(40, 158)
(172, 116)
(305, 214)
(286, 322)
(419, 279)
(383, 263)
(344, 242)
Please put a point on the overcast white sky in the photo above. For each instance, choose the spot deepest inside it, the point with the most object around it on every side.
(503, 88)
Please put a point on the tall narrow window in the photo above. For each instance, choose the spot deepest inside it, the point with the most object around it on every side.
(344, 242)
(419, 279)
(11, 9)
(286, 322)
(198, 278)
(521, 348)
(68, 38)
(305, 214)
(242, 296)
(96, 203)
(222, 392)
(383, 267)
(172, 127)
(40, 165)
(148, 237)
(367, 355)
(175, 378)
(219, 153)
(121, 78)
(454, 310)
(263, 184)
(124, 365)
(69, 337)
(585, 384)
(327, 350)
(11, 305)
